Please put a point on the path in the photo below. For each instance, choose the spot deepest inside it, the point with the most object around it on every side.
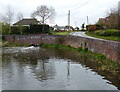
(82, 34)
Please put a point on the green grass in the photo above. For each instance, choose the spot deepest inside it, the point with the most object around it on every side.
(57, 46)
(62, 33)
(105, 37)
(109, 34)
(85, 52)
(102, 63)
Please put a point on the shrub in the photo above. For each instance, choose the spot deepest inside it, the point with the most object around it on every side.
(34, 28)
(79, 49)
(109, 32)
(85, 50)
(3, 37)
(98, 27)
(57, 46)
(25, 29)
(91, 27)
(100, 56)
(5, 28)
(41, 44)
(19, 29)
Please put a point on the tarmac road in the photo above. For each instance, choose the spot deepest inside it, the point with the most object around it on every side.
(82, 34)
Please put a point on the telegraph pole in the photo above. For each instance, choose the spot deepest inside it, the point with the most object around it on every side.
(87, 21)
(69, 18)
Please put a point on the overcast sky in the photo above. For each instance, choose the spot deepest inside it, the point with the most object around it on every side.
(80, 9)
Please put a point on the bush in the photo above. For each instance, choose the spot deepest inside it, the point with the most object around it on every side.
(85, 50)
(34, 28)
(2, 38)
(41, 44)
(19, 29)
(98, 27)
(25, 29)
(100, 56)
(91, 27)
(79, 49)
(110, 32)
(5, 29)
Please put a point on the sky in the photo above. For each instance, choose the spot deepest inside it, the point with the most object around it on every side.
(79, 9)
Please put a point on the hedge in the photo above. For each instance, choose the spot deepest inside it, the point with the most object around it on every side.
(108, 32)
(93, 27)
(39, 28)
(19, 29)
(32, 29)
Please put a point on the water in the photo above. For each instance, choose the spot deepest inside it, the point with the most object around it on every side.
(34, 68)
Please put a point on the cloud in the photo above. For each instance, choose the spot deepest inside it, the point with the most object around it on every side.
(80, 9)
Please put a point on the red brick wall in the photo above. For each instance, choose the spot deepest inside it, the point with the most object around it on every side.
(110, 49)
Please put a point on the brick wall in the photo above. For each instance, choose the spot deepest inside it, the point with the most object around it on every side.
(110, 49)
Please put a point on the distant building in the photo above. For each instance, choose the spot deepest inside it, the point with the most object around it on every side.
(102, 20)
(26, 22)
(63, 28)
(77, 28)
(109, 22)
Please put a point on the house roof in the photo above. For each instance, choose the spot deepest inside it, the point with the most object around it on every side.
(26, 22)
(59, 27)
(102, 19)
(63, 27)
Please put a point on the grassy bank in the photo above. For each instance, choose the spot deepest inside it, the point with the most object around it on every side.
(62, 33)
(84, 51)
(109, 34)
(0, 44)
(105, 37)
(98, 62)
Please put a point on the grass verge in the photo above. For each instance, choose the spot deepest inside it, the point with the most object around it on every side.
(84, 51)
(63, 33)
(60, 33)
(109, 34)
(105, 37)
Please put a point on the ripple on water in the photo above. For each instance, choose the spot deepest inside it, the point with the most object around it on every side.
(19, 49)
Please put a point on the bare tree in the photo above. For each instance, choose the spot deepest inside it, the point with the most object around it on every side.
(9, 16)
(44, 13)
(19, 16)
(33, 15)
(112, 19)
(119, 15)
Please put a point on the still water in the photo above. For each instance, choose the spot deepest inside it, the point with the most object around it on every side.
(34, 68)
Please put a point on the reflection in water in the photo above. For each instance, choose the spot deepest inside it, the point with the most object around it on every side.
(0, 69)
(49, 69)
(68, 72)
(43, 70)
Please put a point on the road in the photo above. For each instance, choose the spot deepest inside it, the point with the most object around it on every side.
(82, 34)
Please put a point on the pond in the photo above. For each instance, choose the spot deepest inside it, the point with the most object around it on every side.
(35, 68)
